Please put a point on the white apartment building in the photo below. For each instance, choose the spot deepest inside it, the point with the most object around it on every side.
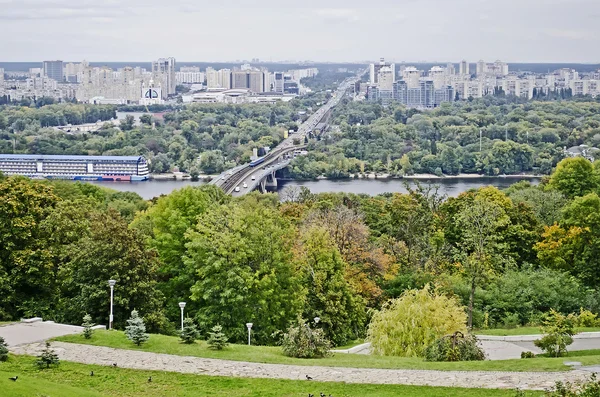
(385, 78)
(497, 68)
(411, 76)
(188, 69)
(189, 77)
(375, 67)
(438, 74)
(585, 87)
(463, 68)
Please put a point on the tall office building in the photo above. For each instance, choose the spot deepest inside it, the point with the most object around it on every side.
(54, 70)
(278, 82)
(463, 68)
(163, 70)
(1, 77)
(375, 67)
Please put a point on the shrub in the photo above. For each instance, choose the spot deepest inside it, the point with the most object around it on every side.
(455, 347)
(87, 326)
(586, 318)
(216, 338)
(3, 349)
(136, 330)
(48, 358)
(407, 325)
(591, 388)
(559, 330)
(302, 341)
(527, 355)
(189, 334)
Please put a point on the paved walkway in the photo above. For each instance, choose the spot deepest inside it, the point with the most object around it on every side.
(164, 362)
(25, 333)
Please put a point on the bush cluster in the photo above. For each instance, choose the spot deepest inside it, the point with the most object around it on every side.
(455, 347)
(302, 341)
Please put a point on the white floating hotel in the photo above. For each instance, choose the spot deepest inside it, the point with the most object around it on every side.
(83, 168)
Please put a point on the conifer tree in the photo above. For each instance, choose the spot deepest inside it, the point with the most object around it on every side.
(87, 326)
(3, 349)
(217, 339)
(136, 330)
(189, 334)
(48, 358)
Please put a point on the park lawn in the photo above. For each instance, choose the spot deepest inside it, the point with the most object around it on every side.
(525, 331)
(73, 380)
(273, 355)
(350, 344)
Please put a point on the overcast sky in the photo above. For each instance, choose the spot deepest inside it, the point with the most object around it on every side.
(319, 30)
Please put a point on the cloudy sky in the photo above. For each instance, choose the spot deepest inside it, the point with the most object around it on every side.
(319, 30)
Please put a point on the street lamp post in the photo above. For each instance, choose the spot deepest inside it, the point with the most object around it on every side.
(111, 284)
(181, 305)
(249, 325)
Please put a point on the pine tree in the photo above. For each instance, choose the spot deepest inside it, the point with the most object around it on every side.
(189, 334)
(3, 350)
(216, 338)
(136, 330)
(48, 358)
(87, 326)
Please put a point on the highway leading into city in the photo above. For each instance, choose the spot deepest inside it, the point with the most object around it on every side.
(242, 175)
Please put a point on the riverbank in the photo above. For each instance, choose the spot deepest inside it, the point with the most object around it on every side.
(373, 175)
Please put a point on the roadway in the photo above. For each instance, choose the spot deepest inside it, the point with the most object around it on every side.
(281, 155)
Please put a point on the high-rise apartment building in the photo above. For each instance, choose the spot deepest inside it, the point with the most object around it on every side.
(163, 70)
(1, 78)
(375, 67)
(411, 76)
(54, 70)
(438, 76)
(497, 69)
(385, 79)
(463, 68)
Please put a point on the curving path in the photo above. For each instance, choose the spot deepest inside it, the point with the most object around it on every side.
(87, 354)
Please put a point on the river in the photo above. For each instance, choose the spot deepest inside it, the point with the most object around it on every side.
(449, 186)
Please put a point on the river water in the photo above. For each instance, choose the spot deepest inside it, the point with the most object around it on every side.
(449, 186)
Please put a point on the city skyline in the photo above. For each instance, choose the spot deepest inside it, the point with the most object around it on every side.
(341, 31)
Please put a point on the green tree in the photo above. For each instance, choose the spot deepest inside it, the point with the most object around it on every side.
(406, 326)
(165, 224)
(87, 326)
(574, 177)
(48, 358)
(328, 294)
(189, 333)
(135, 329)
(3, 350)
(480, 223)
(241, 254)
(217, 340)
(26, 274)
(111, 250)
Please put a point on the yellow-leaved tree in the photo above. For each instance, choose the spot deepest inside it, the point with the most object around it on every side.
(406, 326)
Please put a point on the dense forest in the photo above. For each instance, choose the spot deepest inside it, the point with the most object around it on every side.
(516, 138)
(509, 255)
(197, 139)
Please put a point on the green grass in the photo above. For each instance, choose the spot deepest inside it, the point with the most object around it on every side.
(273, 355)
(6, 323)
(525, 331)
(73, 380)
(350, 344)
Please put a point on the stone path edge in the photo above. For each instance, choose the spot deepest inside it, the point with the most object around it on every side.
(133, 359)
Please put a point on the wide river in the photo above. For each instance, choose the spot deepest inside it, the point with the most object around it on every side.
(449, 186)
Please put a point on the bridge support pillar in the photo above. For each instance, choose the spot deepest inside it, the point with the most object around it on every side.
(262, 186)
(271, 181)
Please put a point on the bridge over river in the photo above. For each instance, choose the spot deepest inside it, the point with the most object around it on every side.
(262, 175)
